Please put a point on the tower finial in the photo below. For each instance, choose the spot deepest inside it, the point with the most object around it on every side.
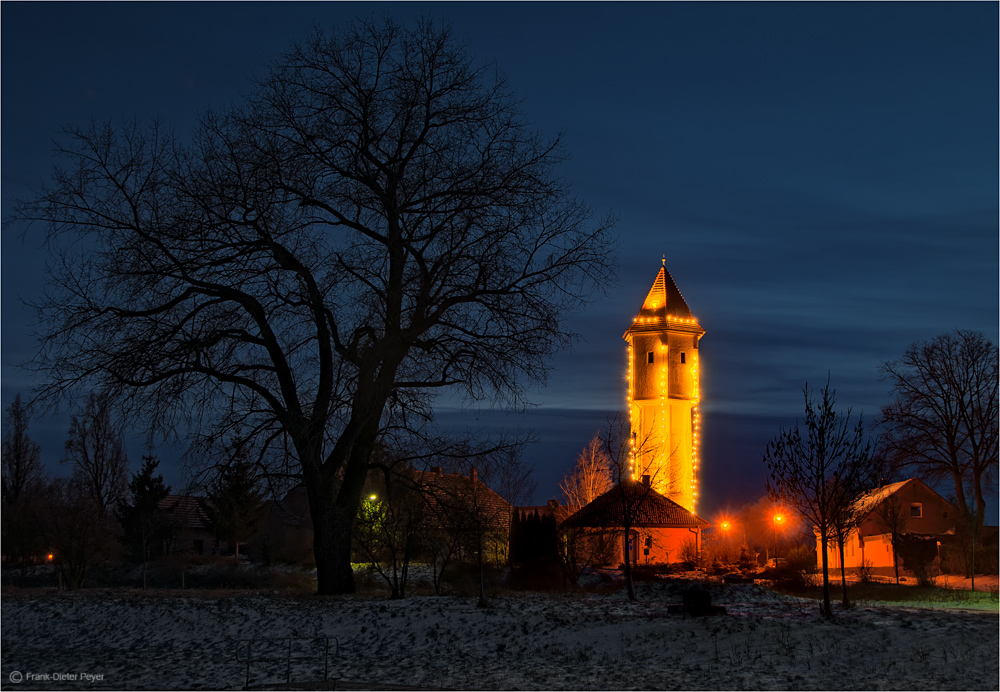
(664, 260)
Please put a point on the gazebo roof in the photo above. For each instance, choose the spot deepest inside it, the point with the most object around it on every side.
(643, 505)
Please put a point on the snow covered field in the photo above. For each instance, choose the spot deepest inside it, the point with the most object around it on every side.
(522, 641)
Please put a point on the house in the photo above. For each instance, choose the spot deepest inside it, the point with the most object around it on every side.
(189, 517)
(911, 505)
(660, 531)
(285, 532)
(464, 512)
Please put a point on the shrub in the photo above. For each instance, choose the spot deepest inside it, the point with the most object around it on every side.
(865, 572)
(918, 554)
(791, 573)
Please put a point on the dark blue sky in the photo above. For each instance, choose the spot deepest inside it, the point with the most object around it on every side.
(822, 177)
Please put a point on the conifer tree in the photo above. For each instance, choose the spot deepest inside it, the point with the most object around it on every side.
(144, 524)
(236, 503)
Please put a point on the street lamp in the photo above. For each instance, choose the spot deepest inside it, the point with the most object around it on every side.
(778, 519)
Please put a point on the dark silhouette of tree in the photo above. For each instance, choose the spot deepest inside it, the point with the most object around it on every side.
(476, 519)
(391, 525)
(78, 531)
(943, 419)
(892, 517)
(22, 461)
(144, 524)
(96, 451)
(375, 223)
(821, 467)
(23, 480)
(235, 503)
(621, 446)
(590, 476)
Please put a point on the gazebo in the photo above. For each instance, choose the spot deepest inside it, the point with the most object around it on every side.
(654, 528)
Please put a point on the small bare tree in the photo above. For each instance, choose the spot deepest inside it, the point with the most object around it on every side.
(622, 446)
(22, 456)
(391, 528)
(591, 476)
(96, 451)
(891, 517)
(820, 467)
(77, 530)
(23, 481)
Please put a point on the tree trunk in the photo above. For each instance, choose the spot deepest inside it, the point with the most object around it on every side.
(482, 586)
(628, 565)
(333, 511)
(332, 531)
(843, 572)
(824, 542)
(895, 556)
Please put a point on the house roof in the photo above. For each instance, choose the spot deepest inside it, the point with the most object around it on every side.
(646, 506)
(447, 492)
(873, 498)
(189, 511)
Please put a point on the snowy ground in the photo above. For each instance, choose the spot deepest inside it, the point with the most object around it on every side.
(522, 641)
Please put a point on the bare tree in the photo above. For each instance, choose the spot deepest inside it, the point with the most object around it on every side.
(23, 481)
(590, 476)
(892, 517)
(943, 419)
(77, 530)
(377, 222)
(820, 467)
(22, 456)
(389, 530)
(629, 496)
(96, 451)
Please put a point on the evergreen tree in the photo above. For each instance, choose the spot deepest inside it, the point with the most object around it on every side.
(144, 524)
(236, 503)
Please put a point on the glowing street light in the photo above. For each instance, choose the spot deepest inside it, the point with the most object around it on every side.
(779, 519)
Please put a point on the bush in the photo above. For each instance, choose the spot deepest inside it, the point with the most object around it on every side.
(865, 572)
(918, 555)
(792, 572)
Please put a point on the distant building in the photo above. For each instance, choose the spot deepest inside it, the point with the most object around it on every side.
(919, 511)
(192, 527)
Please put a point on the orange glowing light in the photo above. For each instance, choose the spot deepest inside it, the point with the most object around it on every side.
(725, 526)
(50, 556)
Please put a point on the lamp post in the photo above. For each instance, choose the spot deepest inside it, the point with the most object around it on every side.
(778, 519)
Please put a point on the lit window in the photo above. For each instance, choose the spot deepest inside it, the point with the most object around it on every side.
(649, 357)
(683, 359)
(916, 510)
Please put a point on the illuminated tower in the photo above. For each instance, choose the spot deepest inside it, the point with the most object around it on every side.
(663, 392)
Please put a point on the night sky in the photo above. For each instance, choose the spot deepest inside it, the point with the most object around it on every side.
(821, 177)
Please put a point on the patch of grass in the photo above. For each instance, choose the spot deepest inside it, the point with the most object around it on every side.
(892, 593)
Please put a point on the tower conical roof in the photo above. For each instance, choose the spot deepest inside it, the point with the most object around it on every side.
(664, 298)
